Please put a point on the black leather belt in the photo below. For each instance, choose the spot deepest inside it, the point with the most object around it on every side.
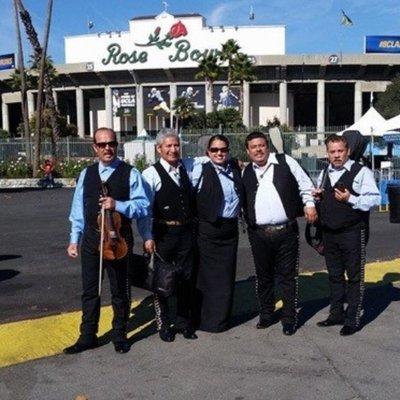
(172, 223)
(276, 227)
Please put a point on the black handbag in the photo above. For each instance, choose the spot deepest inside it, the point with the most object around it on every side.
(153, 273)
(165, 275)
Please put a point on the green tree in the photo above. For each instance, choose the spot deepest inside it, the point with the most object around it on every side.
(230, 50)
(388, 103)
(183, 109)
(242, 71)
(209, 71)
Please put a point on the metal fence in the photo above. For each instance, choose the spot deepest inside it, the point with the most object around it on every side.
(307, 147)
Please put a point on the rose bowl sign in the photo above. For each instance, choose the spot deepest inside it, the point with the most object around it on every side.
(168, 42)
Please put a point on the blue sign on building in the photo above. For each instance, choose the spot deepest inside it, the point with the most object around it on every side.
(382, 44)
(7, 61)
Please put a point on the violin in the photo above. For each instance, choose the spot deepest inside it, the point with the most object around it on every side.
(112, 245)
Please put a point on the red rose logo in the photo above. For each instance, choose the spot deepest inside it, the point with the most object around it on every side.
(177, 30)
(157, 31)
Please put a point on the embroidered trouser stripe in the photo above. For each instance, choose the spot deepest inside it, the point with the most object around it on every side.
(362, 275)
(345, 254)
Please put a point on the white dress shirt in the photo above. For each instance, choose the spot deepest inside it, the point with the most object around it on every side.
(269, 208)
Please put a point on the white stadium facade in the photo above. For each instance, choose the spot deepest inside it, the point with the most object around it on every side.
(129, 80)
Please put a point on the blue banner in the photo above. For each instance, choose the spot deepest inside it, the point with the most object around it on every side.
(382, 44)
(7, 61)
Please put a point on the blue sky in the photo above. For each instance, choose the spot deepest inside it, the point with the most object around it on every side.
(312, 26)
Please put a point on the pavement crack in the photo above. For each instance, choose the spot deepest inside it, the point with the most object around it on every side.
(356, 395)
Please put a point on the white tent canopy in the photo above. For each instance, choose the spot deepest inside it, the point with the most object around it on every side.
(392, 123)
(371, 123)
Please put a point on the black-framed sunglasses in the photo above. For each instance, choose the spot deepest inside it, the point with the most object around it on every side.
(103, 145)
(217, 149)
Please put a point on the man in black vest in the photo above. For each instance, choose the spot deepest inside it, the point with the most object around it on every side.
(128, 198)
(277, 191)
(170, 231)
(347, 191)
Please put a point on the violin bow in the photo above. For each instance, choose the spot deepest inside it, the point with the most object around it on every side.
(104, 188)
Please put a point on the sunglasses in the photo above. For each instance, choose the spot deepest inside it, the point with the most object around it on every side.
(217, 149)
(103, 145)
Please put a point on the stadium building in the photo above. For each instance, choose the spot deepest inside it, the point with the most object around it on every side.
(129, 80)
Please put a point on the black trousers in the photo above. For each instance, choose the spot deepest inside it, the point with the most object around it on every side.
(345, 253)
(276, 257)
(175, 245)
(217, 249)
(117, 272)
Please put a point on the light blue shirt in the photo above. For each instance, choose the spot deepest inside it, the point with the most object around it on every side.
(136, 207)
(152, 184)
(364, 184)
(230, 207)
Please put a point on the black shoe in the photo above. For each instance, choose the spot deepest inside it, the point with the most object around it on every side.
(330, 322)
(122, 346)
(264, 323)
(348, 330)
(289, 329)
(79, 347)
(188, 333)
(167, 335)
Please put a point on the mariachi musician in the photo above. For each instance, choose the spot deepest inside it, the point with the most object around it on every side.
(219, 191)
(347, 191)
(127, 197)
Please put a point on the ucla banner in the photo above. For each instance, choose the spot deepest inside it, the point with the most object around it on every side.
(382, 44)
(7, 61)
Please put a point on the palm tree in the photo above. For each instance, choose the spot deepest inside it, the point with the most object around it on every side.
(22, 83)
(242, 71)
(230, 50)
(37, 55)
(209, 71)
(183, 109)
(40, 92)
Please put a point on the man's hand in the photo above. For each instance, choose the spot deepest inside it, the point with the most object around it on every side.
(108, 203)
(72, 250)
(317, 193)
(310, 213)
(342, 196)
(149, 246)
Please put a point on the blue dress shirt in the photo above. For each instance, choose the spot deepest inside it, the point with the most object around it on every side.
(364, 184)
(136, 207)
(230, 207)
(152, 184)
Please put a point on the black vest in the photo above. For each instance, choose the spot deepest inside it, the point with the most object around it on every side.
(173, 202)
(118, 187)
(335, 214)
(210, 197)
(285, 184)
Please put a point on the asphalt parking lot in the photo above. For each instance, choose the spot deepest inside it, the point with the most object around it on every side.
(37, 280)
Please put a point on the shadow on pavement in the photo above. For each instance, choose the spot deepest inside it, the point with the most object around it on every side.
(6, 274)
(140, 315)
(314, 296)
(5, 257)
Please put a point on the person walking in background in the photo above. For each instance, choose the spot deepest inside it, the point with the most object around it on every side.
(48, 169)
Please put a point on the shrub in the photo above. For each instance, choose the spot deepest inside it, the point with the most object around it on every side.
(72, 168)
(140, 163)
(15, 169)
